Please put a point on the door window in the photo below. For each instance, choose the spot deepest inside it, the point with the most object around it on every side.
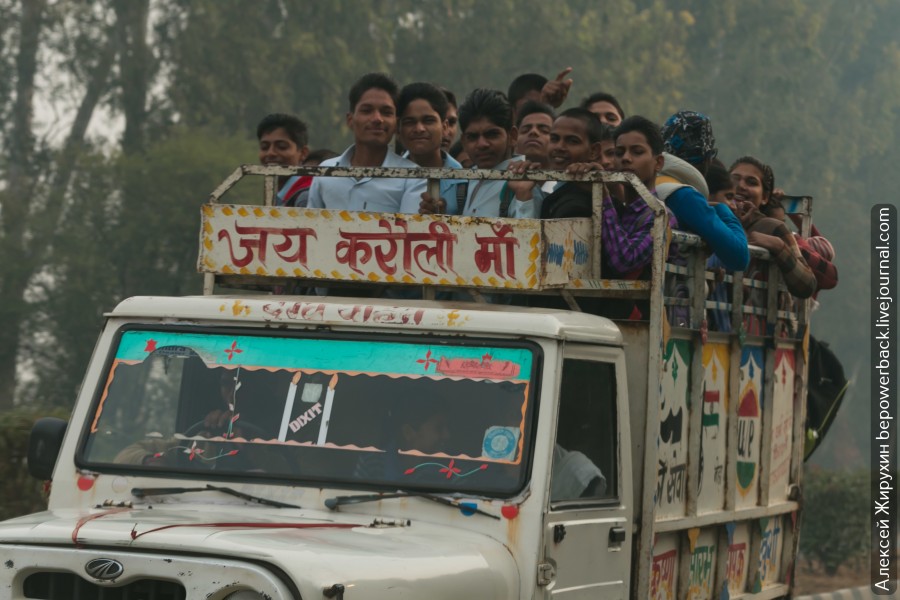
(585, 456)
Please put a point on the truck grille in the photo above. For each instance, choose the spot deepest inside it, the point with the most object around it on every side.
(67, 586)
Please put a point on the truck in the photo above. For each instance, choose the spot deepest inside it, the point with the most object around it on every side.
(421, 433)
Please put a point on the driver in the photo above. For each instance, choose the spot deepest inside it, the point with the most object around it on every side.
(222, 421)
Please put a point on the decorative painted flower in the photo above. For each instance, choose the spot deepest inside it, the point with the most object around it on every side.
(450, 470)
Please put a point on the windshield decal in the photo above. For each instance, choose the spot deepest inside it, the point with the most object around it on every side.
(501, 443)
(448, 470)
(337, 355)
(428, 413)
(485, 366)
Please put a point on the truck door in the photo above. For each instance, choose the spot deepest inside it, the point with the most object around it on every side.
(588, 526)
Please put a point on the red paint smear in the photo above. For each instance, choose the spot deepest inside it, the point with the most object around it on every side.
(135, 535)
(85, 482)
(510, 511)
(89, 518)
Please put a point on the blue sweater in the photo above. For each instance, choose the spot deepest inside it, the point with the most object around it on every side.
(717, 225)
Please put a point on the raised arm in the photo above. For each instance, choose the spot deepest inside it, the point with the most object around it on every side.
(718, 226)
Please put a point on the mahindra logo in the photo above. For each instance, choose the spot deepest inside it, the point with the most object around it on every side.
(104, 569)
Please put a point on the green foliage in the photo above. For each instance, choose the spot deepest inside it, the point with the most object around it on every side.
(120, 245)
(21, 493)
(835, 526)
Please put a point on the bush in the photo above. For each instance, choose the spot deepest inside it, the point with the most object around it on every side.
(835, 525)
(20, 494)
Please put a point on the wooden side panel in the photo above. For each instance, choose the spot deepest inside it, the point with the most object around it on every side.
(566, 250)
(671, 481)
(749, 427)
(771, 544)
(702, 570)
(393, 248)
(664, 570)
(738, 558)
(713, 428)
(782, 425)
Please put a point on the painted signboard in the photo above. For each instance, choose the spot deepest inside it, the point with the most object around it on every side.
(702, 571)
(711, 484)
(664, 570)
(782, 425)
(671, 480)
(771, 536)
(737, 561)
(393, 248)
(749, 412)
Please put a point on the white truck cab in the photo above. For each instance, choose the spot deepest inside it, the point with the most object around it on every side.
(273, 445)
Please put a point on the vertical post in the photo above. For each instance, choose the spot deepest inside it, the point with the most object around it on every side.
(655, 348)
(434, 188)
(269, 193)
(597, 223)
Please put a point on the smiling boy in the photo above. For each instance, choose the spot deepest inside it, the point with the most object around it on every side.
(575, 139)
(488, 137)
(373, 121)
(423, 110)
(283, 141)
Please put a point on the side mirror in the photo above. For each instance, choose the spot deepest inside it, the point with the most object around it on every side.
(44, 444)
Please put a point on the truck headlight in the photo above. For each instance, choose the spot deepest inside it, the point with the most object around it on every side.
(244, 595)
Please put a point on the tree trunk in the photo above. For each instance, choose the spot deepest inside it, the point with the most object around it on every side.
(134, 67)
(16, 263)
(135, 72)
(28, 237)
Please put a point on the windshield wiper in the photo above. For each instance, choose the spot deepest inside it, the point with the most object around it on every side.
(334, 503)
(170, 491)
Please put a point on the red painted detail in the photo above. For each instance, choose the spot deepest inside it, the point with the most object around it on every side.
(135, 535)
(85, 482)
(492, 250)
(509, 511)
(151, 346)
(84, 520)
(427, 361)
(450, 470)
(472, 367)
(232, 350)
(291, 249)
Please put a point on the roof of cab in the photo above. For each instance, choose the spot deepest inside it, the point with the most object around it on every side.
(376, 313)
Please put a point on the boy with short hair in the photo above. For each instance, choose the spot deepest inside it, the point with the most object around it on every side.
(626, 234)
(423, 110)
(575, 142)
(534, 121)
(488, 137)
(283, 141)
(533, 86)
(605, 106)
(373, 120)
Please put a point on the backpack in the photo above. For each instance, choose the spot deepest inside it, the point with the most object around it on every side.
(825, 391)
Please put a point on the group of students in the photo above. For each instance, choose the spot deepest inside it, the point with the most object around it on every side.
(519, 131)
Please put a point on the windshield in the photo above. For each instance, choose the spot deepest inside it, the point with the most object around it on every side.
(369, 413)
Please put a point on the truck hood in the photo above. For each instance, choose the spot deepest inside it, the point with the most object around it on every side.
(359, 550)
